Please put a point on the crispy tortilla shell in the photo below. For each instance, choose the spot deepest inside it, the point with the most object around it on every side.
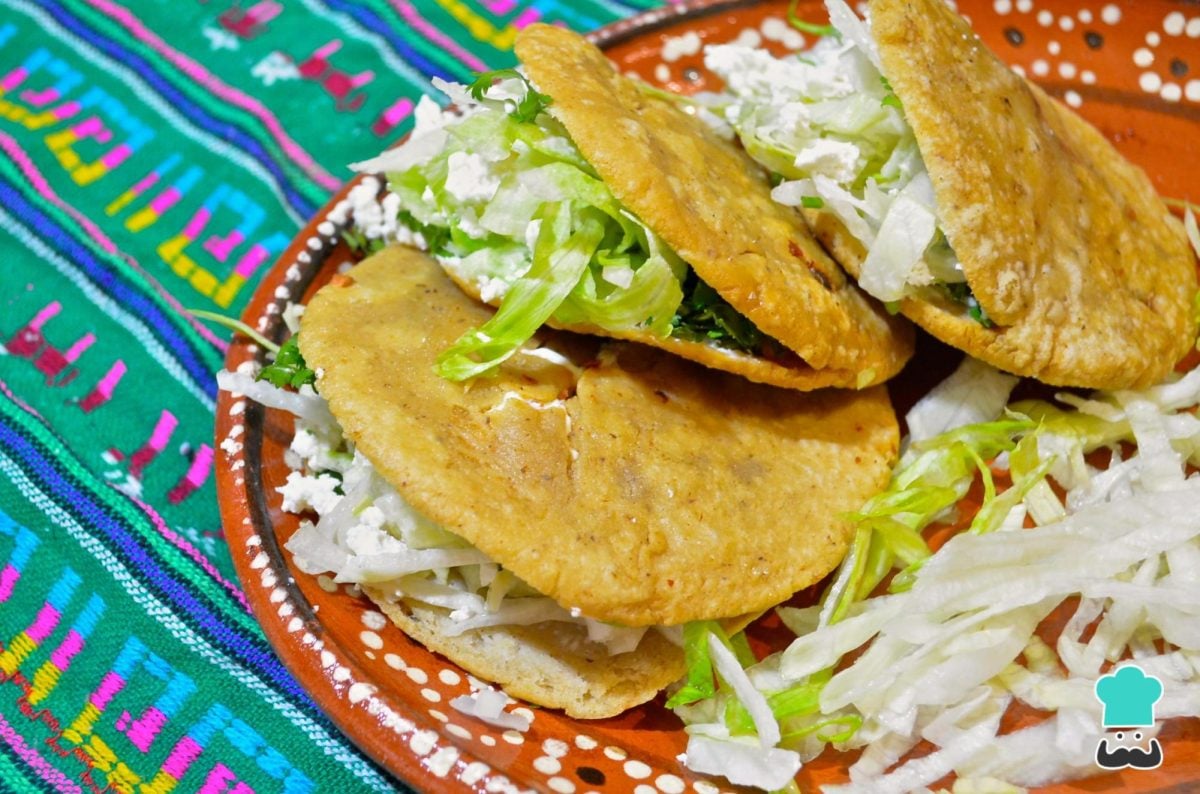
(644, 490)
(788, 373)
(1064, 243)
(712, 204)
(551, 664)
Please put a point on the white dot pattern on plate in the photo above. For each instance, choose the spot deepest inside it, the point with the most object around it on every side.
(373, 620)
(669, 784)
(418, 675)
(643, 788)
(432, 695)
(547, 765)
(561, 785)
(555, 748)
(513, 737)
(371, 640)
(457, 730)
(615, 753)
(585, 742)
(439, 716)
(638, 770)
(393, 661)
(449, 677)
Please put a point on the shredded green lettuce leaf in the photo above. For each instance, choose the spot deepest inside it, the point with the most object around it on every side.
(506, 202)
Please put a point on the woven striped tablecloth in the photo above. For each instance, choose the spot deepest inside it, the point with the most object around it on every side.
(156, 156)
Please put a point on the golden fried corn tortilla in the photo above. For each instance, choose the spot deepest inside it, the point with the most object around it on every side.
(632, 485)
(712, 204)
(550, 664)
(1065, 244)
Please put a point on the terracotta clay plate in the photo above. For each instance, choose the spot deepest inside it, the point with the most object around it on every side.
(1131, 68)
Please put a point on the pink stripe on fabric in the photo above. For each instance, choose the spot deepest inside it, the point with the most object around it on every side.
(162, 430)
(500, 7)
(59, 781)
(143, 731)
(40, 98)
(116, 156)
(66, 110)
(144, 183)
(251, 260)
(526, 18)
(45, 622)
(182, 756)
(8, 580)
(47, 313)
(435, 36)
(397, 112)
(65, 652)
(109, 687)
(15, 153)
(197, 223)
(14, 79)
(220, 89)
(165, 200)
(110, 380)
(88, 127)
(76, 350)
(218, 780)
(201, 464)
(184, 545)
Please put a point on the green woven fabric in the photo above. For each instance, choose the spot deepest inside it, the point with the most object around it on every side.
(157, 155)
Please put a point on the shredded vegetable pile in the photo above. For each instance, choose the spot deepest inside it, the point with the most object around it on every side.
(952, 642)
(499, 194)
(827, 123)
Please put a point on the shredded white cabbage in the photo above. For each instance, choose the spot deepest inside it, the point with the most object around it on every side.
(976, 392)
(942, 661)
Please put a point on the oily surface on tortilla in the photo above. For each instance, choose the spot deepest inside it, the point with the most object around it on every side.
(1064, 243)
(643, 489)
(712, 204)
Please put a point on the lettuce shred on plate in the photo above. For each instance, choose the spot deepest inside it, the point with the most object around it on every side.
(828, 125)
(941, 653)
(499, 194)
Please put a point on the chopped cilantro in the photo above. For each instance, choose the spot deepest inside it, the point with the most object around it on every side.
(704, 315)
(361, 245)
(891, 100)
(808, 27)
(288, 368)
(812, 202)
(962, 294)
(436, 237)
(528, 108)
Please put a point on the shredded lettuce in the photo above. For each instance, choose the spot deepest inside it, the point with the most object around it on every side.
(831, 129)
(499, 193)
(942, 655)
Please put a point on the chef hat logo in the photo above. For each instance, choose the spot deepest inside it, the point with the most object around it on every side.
(1129, 696)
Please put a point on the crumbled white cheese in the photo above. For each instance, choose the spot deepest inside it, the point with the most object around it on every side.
(837, 160)
(469, 178)
(302, 492)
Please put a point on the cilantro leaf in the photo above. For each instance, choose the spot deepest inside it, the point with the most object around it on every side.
(528, 108)
(288, 368)
(808, 27)
(812, 202)
(962, 294)
(361, 245)
(705, 315)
